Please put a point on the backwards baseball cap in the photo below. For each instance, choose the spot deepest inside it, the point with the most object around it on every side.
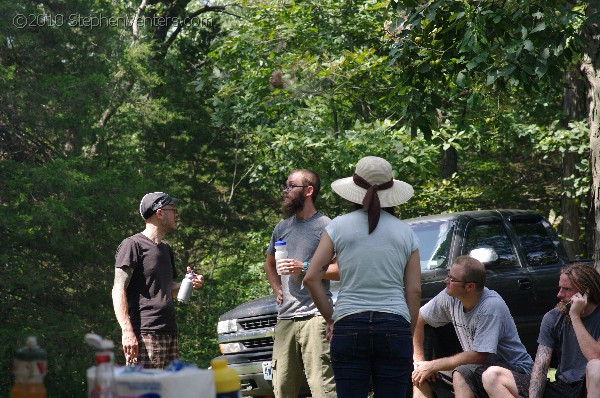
(154, 201)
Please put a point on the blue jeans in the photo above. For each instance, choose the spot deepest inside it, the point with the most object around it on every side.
(372, 347)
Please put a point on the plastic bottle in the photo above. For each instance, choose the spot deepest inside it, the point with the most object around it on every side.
(102, 385)
(280, 252)
(29, 366)
(185, 290)
(227, 381)
(104, 382)
(187, 286)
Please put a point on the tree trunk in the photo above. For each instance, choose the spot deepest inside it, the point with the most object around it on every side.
(569, 227)
(449, 157)
(589, 226)
(449, 162)
(590, 67)
(574, 109)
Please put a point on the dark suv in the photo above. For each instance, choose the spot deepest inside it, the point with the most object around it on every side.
(520, 250)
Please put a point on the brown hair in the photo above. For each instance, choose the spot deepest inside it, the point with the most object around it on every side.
(473, 271)
(311, 178)
(585, 278)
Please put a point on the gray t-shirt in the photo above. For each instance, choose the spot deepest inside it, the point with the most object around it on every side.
(557, 333)
(302, 238)
(371, 265)
(488, 327)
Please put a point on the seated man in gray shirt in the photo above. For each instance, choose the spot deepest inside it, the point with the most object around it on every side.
(494, 362)
(572, 330)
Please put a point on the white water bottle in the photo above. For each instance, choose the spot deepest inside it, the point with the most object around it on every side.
(186, 287)
(104, 382)
(101, 383)
(280, 253)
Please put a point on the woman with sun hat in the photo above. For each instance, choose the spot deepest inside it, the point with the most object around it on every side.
(370, 329)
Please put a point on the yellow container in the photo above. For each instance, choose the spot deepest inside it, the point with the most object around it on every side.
(24, 390)
(227, 381)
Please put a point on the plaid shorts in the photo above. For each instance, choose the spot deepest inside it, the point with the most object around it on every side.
(155, 350)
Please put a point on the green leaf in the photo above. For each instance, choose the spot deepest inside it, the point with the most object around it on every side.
(424, 67)
(546, 53)
(457, 15)
(541, 69)
(528, 45)
(539, 28)
(460, 79)
(507, 70)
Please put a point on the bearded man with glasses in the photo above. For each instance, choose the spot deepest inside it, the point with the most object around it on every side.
(300, 343)
(493, 363)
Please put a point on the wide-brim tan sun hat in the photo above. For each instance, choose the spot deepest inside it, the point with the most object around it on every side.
(376, 171)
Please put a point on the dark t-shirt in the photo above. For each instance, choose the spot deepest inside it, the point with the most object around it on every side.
(558, 333)
(149, 297)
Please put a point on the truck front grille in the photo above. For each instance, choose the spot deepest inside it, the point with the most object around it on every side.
(258, 343)
(258, 323)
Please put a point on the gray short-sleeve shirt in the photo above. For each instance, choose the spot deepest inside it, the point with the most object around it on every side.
(302, 238)
(488, 327)
(371, 265)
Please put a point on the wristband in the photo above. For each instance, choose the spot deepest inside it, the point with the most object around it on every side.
(305, 268)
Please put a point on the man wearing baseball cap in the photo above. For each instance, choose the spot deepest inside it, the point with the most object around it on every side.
(145, 286)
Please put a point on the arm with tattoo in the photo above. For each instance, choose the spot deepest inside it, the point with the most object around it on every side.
(540, 371)
(119, 297)
(122, 279)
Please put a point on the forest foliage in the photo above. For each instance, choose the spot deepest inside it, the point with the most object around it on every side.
(215, 103)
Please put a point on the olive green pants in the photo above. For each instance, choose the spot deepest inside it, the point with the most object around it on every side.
(300, 347)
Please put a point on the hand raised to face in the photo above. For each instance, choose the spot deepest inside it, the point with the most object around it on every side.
(577, 304)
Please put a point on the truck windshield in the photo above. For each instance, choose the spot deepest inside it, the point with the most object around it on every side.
(434, 243)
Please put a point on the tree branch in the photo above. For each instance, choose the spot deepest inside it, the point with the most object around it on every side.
(187, 20)
(134, 26)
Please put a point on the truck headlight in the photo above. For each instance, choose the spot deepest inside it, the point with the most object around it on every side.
(228, 326)
(230, 348)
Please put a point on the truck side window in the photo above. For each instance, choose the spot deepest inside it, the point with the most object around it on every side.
(434, 243)
(492, 236)
(537, 245)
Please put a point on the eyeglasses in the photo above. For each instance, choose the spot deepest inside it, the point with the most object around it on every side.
(290, 187)
(175, 210)
(453, 280)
